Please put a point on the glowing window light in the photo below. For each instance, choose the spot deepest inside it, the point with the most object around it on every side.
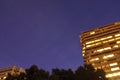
(92, 33)
(114, 69)
(4, 77)
(107, 48)
(111, 40)
(89, 42)
(94, 59)
(109, 37)
(100, 50)
(83, 51)
(105, 41)
(117, 35)
(83, 54)
(98, 43)
(83, 47)
(118, 42)
(117, 38)
(103, 38)
(113, 64)
(108, 56)
(113, 74)
(116, 46)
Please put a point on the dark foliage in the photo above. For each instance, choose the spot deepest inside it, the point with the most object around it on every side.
(82, 73)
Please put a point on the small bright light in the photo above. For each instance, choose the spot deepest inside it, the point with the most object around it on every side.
(113, 64)
(92, 33)
(114, 69)
(108, 56)
(118, 42)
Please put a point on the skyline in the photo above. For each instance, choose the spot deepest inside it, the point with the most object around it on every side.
(46, 33)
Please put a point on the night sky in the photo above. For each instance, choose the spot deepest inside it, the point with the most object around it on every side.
(46, 32)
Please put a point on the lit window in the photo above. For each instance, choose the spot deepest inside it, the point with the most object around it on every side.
(89, 42)
(94, 59)
(114, 69)
(113, 74)
(113, 64)
(116, 46)
(105, 41)
(107, 48)
(92, 33)
(83, 51)
(108, 56)
(117, 38)
(4, 77)
(100, 50)
(83, 47)
(109, 37)
(103, 38)
(117, 35)
(111, 40)
(118, 42)
(83, 54)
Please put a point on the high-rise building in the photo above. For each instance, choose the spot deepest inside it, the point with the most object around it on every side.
(13, 70)
(101, 48)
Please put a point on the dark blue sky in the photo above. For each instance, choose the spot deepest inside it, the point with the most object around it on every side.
(46, 32)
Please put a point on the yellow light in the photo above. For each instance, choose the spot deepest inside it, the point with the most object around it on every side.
(109, 37)
(117, 38)
(113, 74)
(94, 59)
(117, 35)
(114, 69)
(107, 48)
(83, 54)
(83, 51)
(113, 64)
(108, 56)
(116, 46)
(92, 33)
(100, 50)
(4, 77)
(111, 40)
(118, 42)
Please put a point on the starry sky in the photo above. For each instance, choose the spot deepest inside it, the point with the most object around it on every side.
(46, 32)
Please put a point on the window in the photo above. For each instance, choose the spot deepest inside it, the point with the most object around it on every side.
(108, 56)
(115, 68)
(114, 64)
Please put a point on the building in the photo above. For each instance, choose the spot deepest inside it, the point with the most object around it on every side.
(13, 70)
(101, 48)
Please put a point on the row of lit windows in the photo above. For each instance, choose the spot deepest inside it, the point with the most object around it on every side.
(106, 48)
(104, 57)
(111, 65)
(98, 43)
(98, 40)
(101, 39)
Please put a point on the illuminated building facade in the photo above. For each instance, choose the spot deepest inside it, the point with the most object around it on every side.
(13, 70)
(101, 48)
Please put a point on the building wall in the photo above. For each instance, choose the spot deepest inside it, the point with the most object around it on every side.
(13, 70)
(101, 48)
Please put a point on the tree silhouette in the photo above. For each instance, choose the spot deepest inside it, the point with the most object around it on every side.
(86, 72)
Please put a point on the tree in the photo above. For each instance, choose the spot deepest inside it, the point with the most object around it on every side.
(34, 73)
(89, 73)
(80, 74)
